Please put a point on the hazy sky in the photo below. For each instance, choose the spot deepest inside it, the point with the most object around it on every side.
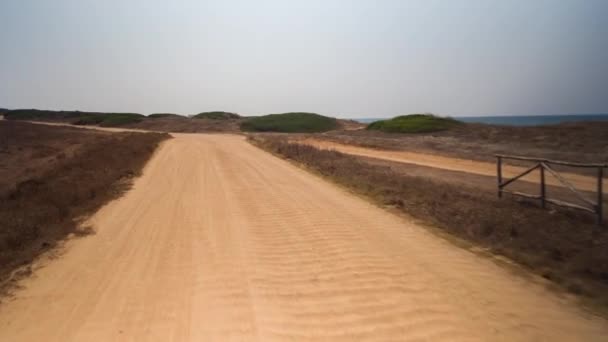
(340, 58)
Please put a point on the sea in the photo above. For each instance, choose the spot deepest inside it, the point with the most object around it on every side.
(519, 120)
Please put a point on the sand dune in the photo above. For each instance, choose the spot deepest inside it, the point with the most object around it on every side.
(220, 241)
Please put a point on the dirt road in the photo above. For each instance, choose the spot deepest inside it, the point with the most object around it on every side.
(453, 164)
(220, 241)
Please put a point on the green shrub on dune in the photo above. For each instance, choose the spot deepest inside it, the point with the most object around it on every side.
(290, 123)
(164, 115)
(110, 119)
(218, 115)
(119, 119)
(414, 123)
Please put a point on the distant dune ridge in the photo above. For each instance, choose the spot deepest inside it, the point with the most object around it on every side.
(517, 120)
(296, 122)
(202, 122)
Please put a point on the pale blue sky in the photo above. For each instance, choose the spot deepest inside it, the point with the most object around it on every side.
(340, 58)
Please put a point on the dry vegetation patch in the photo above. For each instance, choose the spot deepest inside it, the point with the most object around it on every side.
(578, 141)
(564, 246)
(51, 176)
(187, 125)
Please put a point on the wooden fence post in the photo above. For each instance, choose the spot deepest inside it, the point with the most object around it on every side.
(499, 174)
(600, 197)
(542, 186)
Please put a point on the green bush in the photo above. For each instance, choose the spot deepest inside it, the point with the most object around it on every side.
(164, 115)
(218, 115)
(414, 123)
(119, 119)
(109, 120)
(290, 123)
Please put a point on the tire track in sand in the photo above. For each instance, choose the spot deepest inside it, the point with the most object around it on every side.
(219, 241)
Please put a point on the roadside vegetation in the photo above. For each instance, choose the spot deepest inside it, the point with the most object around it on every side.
(217, 116)
(414, 123)
(290, 123)
(563, 246)
(52, 177)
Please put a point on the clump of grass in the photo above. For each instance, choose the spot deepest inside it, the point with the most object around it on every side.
(414, 123)
(290, 123)
(217, 115)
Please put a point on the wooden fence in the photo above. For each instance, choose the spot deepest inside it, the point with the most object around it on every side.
(544, 165)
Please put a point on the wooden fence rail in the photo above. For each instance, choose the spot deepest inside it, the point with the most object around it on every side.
(544, 165)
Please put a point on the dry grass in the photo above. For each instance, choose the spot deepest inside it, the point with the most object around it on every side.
(564, 246)
(51, 176)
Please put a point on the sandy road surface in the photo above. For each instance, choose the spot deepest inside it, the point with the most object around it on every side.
(220, 241)
(454, 164)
